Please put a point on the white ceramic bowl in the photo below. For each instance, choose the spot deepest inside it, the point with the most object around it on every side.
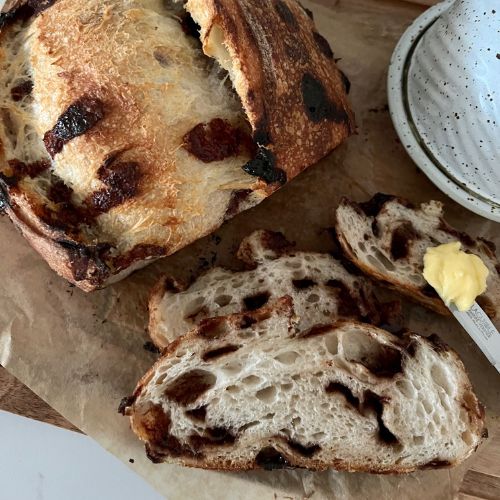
(444, 98)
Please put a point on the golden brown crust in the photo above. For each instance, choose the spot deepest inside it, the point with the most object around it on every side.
(283, 69)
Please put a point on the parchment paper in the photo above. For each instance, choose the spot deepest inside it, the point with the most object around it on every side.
(83, 353)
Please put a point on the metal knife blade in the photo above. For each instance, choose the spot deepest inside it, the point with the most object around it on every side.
(477, 324)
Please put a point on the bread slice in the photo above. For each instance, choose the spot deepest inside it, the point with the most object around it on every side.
(246, 391)
(121, 141)
(387, 238)
(322, 289)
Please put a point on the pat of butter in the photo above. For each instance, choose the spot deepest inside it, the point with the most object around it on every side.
(456, 276)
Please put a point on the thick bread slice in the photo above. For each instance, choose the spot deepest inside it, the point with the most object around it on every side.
(244, 391)
(321, 288)
(387, 238)
(121, 142)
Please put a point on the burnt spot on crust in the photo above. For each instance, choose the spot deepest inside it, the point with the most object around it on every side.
(376, 403)
(122, 184)
(347, 306)
(345, 81)
(87, 262)
(187, 388)
(78, 119)
(218, 353)
(20, 91)
(255, 302)
(464, 238)
(237, 198)
(401, 240)
(323, 45)
(271, 459)
(303, 284)
(216, 436)
(261, 135)
(125, 403)
(372, 208)
(139, 252)
(338, 388)
(217, 140)
(286, 14)
(318, 105)
(264, 166)
(198, 414)
(306, 451)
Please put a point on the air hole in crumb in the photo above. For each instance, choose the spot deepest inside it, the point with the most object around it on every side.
(302, 284)
(287, 358)
(266, 395)
(251, 380)
(286, 387)
(248, 426)
(318, 436)
(223, 300)
(231, 368)
(313, 298)
(269, 416)
(467, 437)
(256, 301)
(233, 389)
(296, 421)
(440, 377)
(161, 379)
(194, 307)
(380, 257)
(406, 388)
(418, 440)
(332, 344)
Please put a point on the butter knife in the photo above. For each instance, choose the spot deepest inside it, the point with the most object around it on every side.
(477, 324)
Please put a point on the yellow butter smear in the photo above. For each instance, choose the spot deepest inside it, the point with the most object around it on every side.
(456, 276)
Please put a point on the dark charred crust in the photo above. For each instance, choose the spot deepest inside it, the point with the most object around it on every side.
(139, 252)
(464, 238)
(78, 119)
(187, 388)
(21, 90)
(217, 436)
(307, 11)
(376, 403)
(402, 238)
(271, 459)
(303, 284)
(345, 81)
(198, 414)
(318, 105)
(323, 45)
(437, 344)
(315, 331)
(150, 347)
(306, 451)
(122, 183)
(87, 262)
(218, 353)
(347, 304)
(218, 140)
(372, 208)
(264, 166)
(262, 136)
(125, 403)
(256, 301)
(237, 198)
(286, 14)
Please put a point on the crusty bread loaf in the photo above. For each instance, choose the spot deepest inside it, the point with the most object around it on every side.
(246, 391)
(122, 142)
(387, 238)
(322, 289)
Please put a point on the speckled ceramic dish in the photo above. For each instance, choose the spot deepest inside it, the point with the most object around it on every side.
(444, 98)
